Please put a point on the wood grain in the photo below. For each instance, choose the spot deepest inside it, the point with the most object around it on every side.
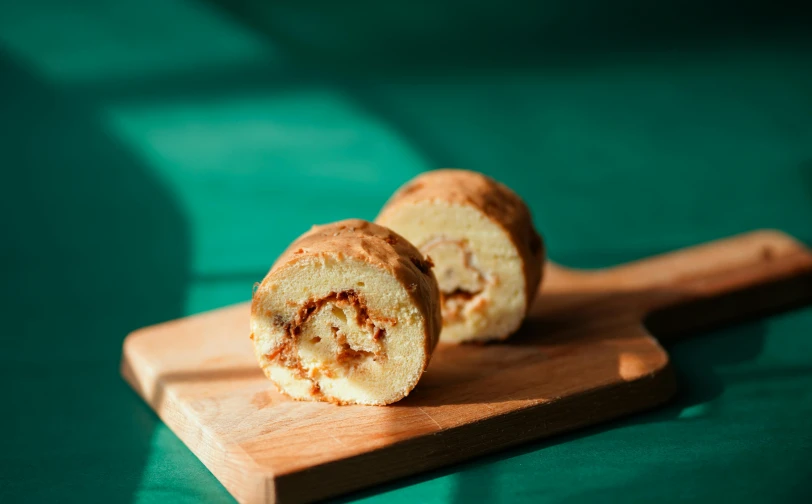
(583, 356)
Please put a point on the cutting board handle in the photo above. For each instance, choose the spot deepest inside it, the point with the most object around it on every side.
(699, 287)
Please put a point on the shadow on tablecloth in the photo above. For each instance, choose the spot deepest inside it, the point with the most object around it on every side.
(93, 246)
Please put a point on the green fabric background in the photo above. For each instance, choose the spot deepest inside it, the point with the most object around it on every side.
(156, 156)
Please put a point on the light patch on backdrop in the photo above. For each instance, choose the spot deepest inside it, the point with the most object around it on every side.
(695, 411)
(96, 40)
(254, 172)
(209, 293)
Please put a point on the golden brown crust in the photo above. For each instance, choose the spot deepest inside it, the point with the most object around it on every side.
(496, 201)
(381, 247)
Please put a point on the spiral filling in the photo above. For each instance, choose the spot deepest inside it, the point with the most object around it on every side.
(330, 336)
(461, 282)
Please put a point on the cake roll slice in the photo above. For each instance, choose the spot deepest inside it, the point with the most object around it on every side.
(349, 313)
(488, 256)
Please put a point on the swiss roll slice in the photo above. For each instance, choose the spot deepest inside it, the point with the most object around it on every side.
(349, 313)
(480, 236)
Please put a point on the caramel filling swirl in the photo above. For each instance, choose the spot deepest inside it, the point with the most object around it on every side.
(321, 340)
(461, 282)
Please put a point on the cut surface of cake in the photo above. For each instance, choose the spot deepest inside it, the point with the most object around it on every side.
(349, 313)
(488, 256)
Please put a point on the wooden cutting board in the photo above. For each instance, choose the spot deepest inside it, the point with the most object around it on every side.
(584, 356)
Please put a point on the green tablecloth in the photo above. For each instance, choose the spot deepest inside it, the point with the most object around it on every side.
(156, 156)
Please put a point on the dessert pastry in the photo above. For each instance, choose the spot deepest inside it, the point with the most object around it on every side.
(349, 313)
(487, 254)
